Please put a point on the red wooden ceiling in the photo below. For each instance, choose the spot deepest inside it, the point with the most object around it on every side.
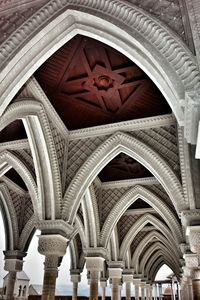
(90, 83)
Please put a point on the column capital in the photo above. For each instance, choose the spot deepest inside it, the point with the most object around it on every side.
(103, 282)
(95, 263)
(190, 217)
(127, 277)
(14, 260)
(193, 233)
(52, 245)
(136, 281)
(191, 260)
(115, 269)
(75, 278)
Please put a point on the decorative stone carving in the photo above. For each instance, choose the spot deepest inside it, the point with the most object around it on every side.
(115, 269)
(190, 217)
(194, 238)
(52, 245)
(127, 277)
(14, 260)
(191, 260)
(94, 263)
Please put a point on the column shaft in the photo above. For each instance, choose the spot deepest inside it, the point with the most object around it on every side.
(142, 293)
(103, 296)
(196, 289)
(50, 276)
(115, 288)
(75, 290)
(94, 275)
(10, 285)
(136, 292)
(128, 291)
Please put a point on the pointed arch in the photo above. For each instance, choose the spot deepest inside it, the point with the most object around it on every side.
(21, 169)
(165, 258)
(138, 225)
(148, 238)
(91, 217)
(43, 150)
(127, 28)
(157, 246)
(9, 218)
(117, 143)
(130, 197)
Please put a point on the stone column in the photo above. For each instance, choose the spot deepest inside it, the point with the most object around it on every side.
(13, 264)
(94, 265)
(136, 283)
(147, 292)
(142, 287)
(151, 292)
(103, 284)
(115, 273)
(52, 247)
(75, 279)
(128, 279)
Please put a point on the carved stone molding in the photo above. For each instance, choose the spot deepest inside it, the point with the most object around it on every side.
(52, 245)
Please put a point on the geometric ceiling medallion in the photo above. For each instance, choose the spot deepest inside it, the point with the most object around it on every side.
(90, 84)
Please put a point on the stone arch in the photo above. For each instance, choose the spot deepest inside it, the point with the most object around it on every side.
(157, 265)
(130, 197)
(25, 174)
(138, 225)
(165, 258)
(9, 218)
(91, 217)
(157, 246)
(73, 255)
(117, 143)
(43, 151)
(153, 234)
(125, 27)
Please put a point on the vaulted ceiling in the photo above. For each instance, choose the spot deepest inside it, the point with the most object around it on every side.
(90, 83)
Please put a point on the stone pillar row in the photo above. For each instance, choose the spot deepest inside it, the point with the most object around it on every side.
(53, 247)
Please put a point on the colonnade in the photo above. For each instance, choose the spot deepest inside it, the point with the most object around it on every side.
(54, 246)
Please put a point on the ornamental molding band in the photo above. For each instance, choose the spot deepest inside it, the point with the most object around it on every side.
(130, 28)
(117, 143)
